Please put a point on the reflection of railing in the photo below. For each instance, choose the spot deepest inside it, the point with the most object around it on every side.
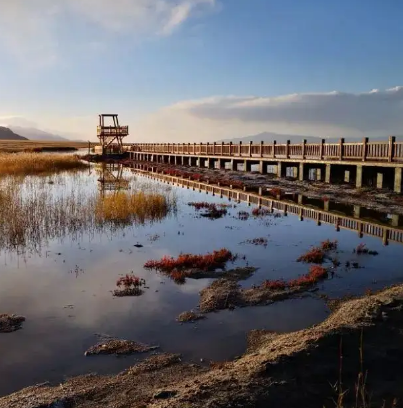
(389, 151)
(386, 233)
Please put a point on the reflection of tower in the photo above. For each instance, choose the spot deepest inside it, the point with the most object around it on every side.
(111, 178)
(111, 137)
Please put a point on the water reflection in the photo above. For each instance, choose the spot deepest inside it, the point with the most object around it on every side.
(65, 290)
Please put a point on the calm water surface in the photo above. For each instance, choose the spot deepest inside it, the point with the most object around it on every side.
(64, 288)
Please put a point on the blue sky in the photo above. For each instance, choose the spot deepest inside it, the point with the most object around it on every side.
(204, 69)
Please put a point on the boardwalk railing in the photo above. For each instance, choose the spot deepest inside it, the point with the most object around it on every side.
(384, 232)
(389, 151)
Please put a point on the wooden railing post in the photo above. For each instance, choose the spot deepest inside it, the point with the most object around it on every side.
(240, 148)
(167, 151)
(194, 148)
(274, 148)
(261, 148)
(287, 150)
(183, 148)
(214, 148)
(303, 148)
(364, 148)
(250, 149)
(322, 142)
(391, 151)
(230, 148)
(222, 148)
(188, 148)
(341, 145)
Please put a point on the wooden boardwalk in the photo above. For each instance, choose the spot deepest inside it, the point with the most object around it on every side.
(362, 227)
(380, 162)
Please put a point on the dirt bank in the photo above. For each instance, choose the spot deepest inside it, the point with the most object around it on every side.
(382, 200)
(299, 369)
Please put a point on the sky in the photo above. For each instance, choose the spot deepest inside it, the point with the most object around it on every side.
(203, 70)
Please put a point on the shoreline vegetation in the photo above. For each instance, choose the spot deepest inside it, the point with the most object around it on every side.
(33, 164)
(364, 333)
(16, 146)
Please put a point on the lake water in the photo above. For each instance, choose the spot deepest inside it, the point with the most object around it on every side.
(61, 280)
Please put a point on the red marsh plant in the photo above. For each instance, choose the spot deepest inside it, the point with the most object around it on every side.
(260, 212)
(178, 277)
(207, 262)
(328, 245)
(129, 285)
(314, 255)
(362, 249)
(316, 274)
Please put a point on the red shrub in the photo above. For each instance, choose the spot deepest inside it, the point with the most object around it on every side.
(328, 245)
(129, 281)
(275, 284)
(207, 262)
(316, 274)
(314, 255)
(260, 212)
(178, 276)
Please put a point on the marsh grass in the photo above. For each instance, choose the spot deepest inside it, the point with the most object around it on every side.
(34, 212)
(25, 164)
(128, 207)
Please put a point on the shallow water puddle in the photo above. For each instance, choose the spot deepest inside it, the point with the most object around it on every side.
(60, 272)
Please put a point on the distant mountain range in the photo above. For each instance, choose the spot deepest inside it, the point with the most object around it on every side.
(269, 137)
(36, 134)
(8, 134)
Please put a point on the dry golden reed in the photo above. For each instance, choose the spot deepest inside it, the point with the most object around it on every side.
(25, 164)
(128, 207)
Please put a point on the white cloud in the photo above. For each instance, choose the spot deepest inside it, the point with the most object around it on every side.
(31, 29)
(333, 114)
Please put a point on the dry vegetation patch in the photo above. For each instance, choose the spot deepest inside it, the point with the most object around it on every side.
(10, 323)
(117, 346)
(24, 164)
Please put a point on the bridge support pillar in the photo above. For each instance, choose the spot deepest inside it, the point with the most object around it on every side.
(247, 165)
(319, 174)
(233, 165)
(357, 211)
(347, 176)
(379, 180)
(327, 174)
(262, 167)
(279, 169)
(295, 172)
(326, 205)
(358, 179)
(301, 172)
(398, 180)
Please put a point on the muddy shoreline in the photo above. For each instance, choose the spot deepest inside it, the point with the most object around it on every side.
(382, 200)
(299, 369)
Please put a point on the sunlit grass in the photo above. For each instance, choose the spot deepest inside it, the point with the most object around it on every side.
(24, 164)
(126, 207)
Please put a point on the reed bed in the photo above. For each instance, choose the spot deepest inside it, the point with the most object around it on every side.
(24, 164)
(129, 207)
(34, 212)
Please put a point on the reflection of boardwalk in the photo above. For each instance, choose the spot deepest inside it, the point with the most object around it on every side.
(385, 232)
(111, 177)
